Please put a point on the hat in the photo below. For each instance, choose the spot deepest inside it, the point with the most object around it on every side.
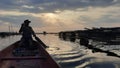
(27, 21)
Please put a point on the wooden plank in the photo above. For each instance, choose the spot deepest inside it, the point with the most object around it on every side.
(23, 58)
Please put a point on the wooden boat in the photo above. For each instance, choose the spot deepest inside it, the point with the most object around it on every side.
(15, 56)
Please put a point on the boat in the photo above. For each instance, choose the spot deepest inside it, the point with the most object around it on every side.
(15, 56)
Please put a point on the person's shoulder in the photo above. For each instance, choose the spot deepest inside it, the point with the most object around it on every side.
(30, 27)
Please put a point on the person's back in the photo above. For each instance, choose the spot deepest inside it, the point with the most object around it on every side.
(27, 33)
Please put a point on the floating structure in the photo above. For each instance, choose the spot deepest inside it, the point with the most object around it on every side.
(108, 35)
(111, 36)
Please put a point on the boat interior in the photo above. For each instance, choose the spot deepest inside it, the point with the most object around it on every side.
(21, 57)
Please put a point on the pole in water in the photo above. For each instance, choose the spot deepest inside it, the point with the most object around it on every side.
(41, 42)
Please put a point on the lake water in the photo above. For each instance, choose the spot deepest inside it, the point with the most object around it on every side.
(72, 55)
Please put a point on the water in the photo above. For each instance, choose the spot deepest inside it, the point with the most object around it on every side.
(71, 55)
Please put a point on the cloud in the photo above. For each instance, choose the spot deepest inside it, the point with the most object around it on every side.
(60, 14)
(36, 6)
(29, 7)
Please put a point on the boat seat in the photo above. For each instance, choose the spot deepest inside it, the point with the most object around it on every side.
(25, 52)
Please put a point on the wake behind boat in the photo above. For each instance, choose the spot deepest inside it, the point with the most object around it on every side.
(15, 56)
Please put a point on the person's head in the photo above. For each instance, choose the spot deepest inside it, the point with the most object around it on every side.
(26, 22)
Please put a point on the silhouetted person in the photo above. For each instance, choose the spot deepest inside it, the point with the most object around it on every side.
(27, 33)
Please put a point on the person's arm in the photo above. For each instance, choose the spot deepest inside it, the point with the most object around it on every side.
(20, 31)
(33, 33)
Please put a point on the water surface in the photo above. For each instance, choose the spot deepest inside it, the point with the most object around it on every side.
(71, 55)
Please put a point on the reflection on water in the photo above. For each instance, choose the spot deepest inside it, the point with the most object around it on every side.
(70, 55)
(6, 41)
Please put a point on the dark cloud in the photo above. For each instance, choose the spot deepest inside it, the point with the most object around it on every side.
(51, 5)
(18, 20)
(13, 19)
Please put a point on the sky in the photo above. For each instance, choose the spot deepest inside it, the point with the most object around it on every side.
(59, 15)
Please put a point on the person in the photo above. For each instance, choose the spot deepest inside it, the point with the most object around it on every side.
(27, 32)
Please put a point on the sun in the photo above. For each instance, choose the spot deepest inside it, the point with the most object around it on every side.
(51, 18)
(51, 15)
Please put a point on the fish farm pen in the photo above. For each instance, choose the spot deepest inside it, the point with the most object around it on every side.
(108, 36)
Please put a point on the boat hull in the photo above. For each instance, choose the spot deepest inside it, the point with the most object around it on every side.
(37, 58)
